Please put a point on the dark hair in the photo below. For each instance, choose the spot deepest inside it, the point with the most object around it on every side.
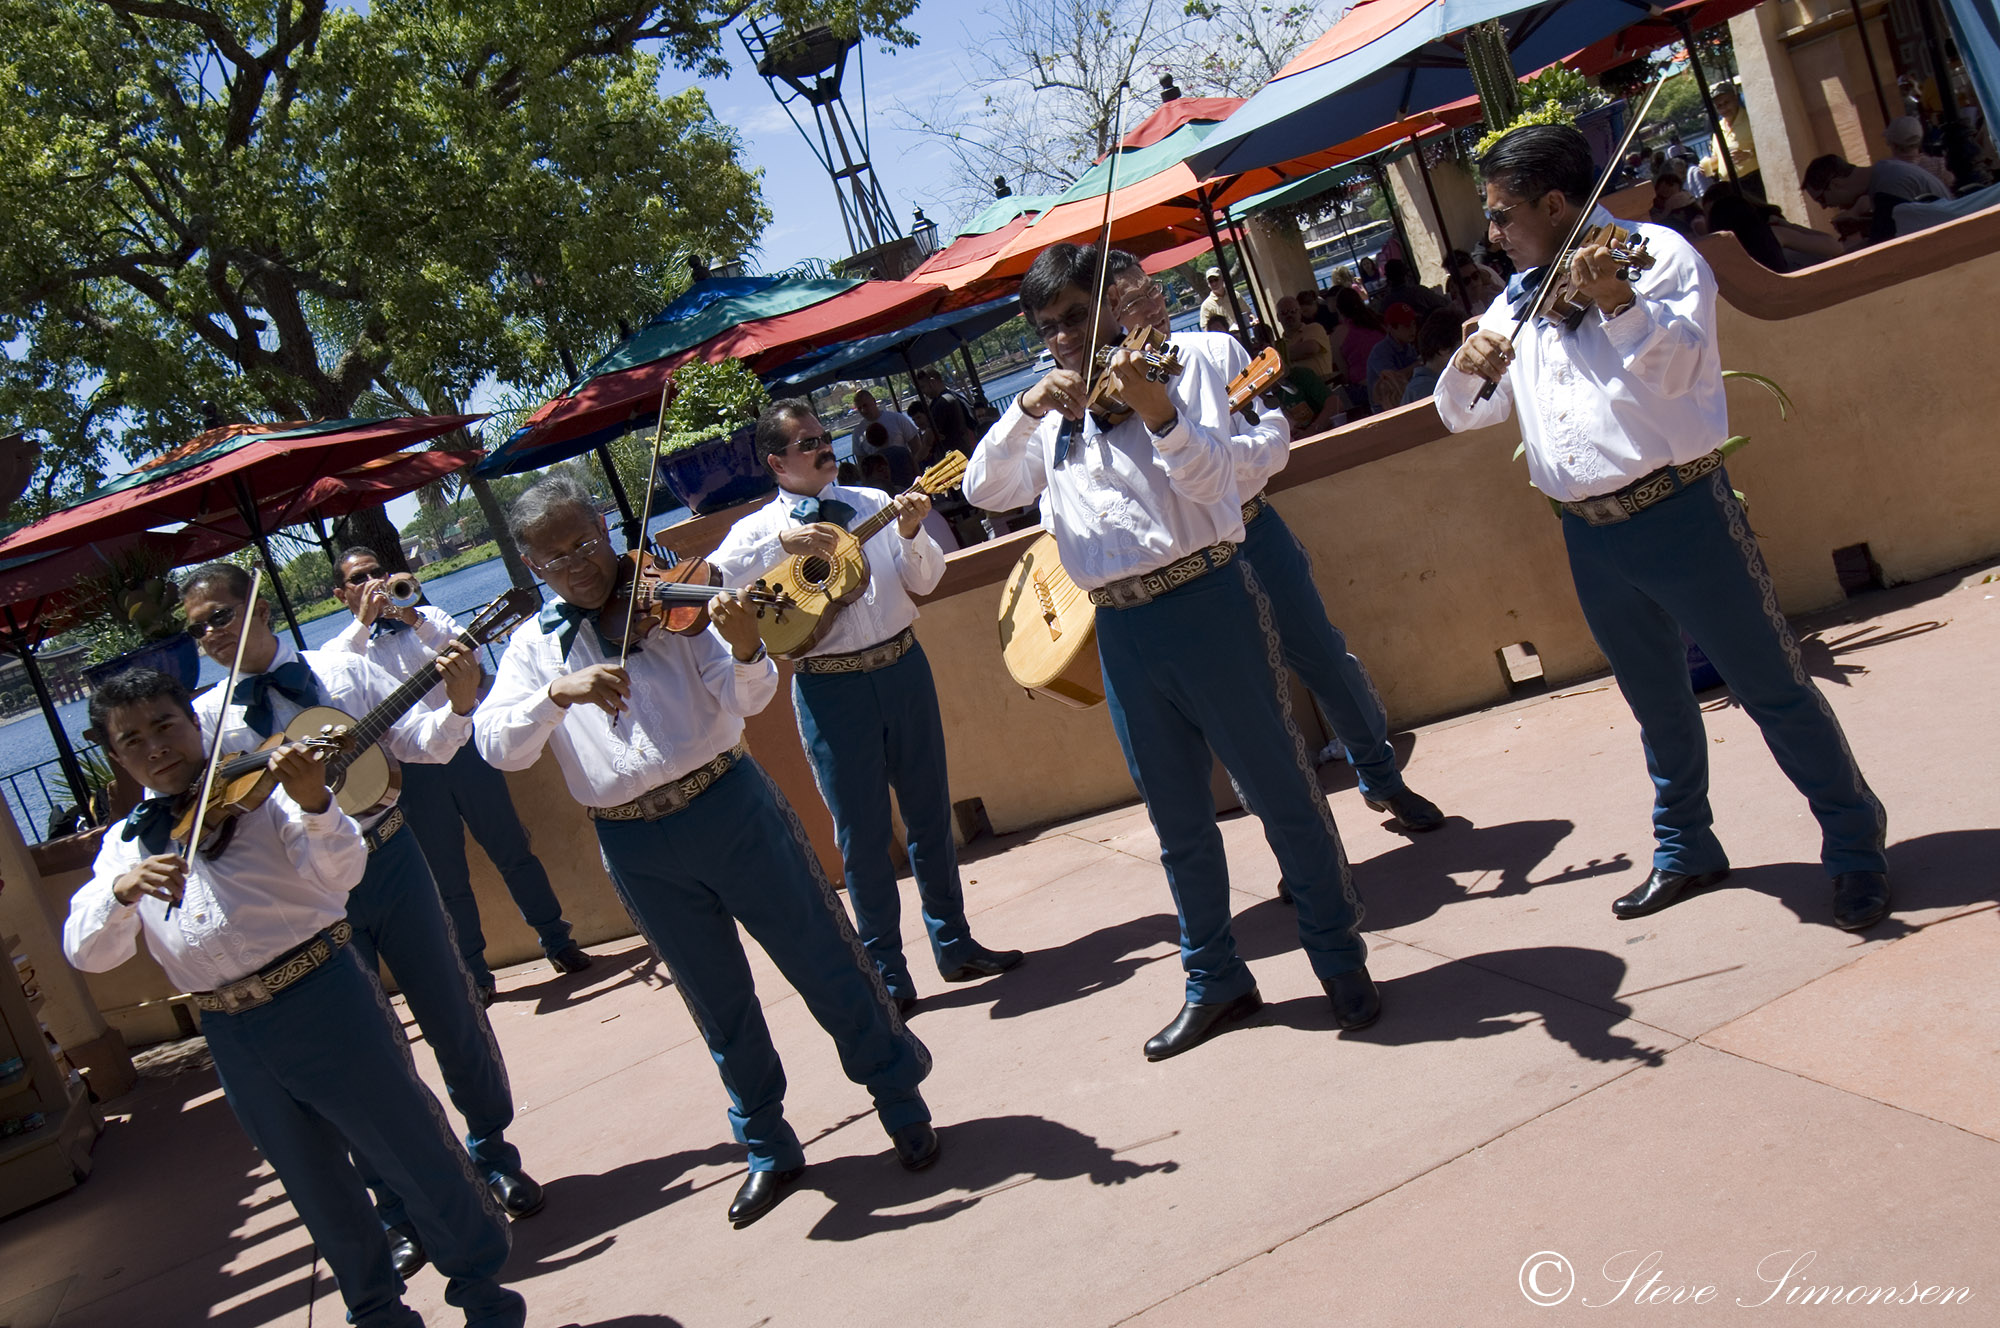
(772, 435)
(1535, 160)
(1117, 263)
(1057, 267)
(1823, 171)
(1728, 209)
(1457, 259)
(353, 551)
(1396, 272)
(1347, 302)
(213, 576)
(132, 687)
(847, 473)
(1368, 262)
(1438, 333)
(876, 434)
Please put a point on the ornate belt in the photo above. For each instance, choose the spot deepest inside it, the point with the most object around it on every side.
(260, 988)
(1623, 504)
(673, 795)
(878, 656)
(1149, 586)
(1254, 508)
(383, 830)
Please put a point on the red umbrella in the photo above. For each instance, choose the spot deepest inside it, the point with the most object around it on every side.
(374, 483)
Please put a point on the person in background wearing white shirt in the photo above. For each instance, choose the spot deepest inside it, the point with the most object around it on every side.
(695, 835)
(311, 1060)
(444, 801)
(1147, 515)
(1622, 420)
(898, 429)
(867, 705)
(395, 911)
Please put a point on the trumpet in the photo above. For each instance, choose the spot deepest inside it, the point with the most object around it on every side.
(403, 590)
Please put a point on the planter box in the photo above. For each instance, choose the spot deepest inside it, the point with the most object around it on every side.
(718, 474)
(177, 656)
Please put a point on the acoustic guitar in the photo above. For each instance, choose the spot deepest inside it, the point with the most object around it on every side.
(1048, 630)
(360, 775)
(814, 589)
(1259, 374)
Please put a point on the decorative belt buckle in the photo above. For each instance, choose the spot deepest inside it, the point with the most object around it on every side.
(1128, 593)
(245, 995)
(666, 800)
(1603, 510)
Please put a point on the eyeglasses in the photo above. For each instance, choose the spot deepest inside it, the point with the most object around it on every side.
(214, 622)
(362, 578)
(1503, 217)
(575, 558)
(807, 446)
(1073, 321)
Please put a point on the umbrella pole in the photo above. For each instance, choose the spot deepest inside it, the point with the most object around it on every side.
(1868, 49)
(248, 507)
(1437, 212)
(626, 517)
(1381, 174)
(1268, 317)
(1228, 286)
(971, 373)
(1701, 81)
(65, 754)
(326, 541)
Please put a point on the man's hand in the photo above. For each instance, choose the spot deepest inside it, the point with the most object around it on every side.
(1148, 399)
(162, 876)
(302, 772)
(820, 538)
(1594, 270)
(459, 670)
(736, 621)
(911, 509)
(1484, 355)
(603, 685)
(1061, 391)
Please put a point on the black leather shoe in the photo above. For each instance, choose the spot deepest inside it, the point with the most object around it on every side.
(406, 1249)
(1661, 889)
(517, 1192)
(916, 1145)
(572, 958)
(983, 963)
(1195, 1024)
(1415, 814)
(1860, 900)
(1284, 891)
(486, 996)
(905, 1005)
(759, 1194)
(1356, 1003)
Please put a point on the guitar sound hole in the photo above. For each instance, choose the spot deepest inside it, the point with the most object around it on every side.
(814, 570)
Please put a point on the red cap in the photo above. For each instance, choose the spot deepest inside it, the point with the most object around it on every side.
(1399, 313)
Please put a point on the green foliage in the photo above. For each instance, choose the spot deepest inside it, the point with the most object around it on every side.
(308, 577)
(711, 399)
(256, 209)
(133, 601)
(1549, 112)
(1492, 68)
(1562, 85)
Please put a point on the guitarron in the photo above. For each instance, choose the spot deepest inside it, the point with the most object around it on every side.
(1048, 630)
(814, 589)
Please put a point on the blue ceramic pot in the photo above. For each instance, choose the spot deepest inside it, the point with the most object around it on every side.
(719, 473)
(176, 656)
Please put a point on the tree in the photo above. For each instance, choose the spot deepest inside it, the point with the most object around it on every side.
(1039, 88)
(275, 208)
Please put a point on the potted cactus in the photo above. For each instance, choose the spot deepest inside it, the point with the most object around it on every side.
(708, 452)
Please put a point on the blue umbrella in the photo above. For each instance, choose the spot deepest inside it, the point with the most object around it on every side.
(885, 352)
(1385, 60)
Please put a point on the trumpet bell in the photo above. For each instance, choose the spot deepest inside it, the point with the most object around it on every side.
(404, 592)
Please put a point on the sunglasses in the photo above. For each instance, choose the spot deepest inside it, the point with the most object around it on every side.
(1502, 217)
(362, 578)
(214, 622)
(807, 446)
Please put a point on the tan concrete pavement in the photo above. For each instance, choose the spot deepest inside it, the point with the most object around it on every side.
(1731, 1083)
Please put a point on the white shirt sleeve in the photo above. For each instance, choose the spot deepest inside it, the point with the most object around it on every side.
(101, 933)
(324, 847)
(740, 689)
(750, 548)
(919, 559)
(354, 640)
(1662, 335)
(423, 736)
(515, 721)
(1262, 451)
(1006, 469)
(1196, 447)
(1458, 403)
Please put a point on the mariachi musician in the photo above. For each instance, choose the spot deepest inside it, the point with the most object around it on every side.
(867, 705)
(1623, 417)
(1146, 514)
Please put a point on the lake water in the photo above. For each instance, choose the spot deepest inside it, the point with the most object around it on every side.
(25, 741)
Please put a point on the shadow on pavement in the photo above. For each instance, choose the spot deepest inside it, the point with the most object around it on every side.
(1953, 869)
(1486, 994)
(629, 1321)
(564, 991)
(1091, 963)
(979, 1158)
(585, 1212)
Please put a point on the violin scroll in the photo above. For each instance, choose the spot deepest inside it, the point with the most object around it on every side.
(1566, 304)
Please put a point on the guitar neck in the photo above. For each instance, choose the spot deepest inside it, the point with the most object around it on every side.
(868, 529)
(369, 729)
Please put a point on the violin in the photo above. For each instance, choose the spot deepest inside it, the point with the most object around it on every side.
(1160, 356)
(1566, 304)
(673, 594)
(243, 782)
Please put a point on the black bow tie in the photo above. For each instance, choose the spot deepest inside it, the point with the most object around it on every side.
(293, 680)
(561, 619)
(152, 824)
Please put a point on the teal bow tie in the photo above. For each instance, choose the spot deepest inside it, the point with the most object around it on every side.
(152, 824)
(561, 619)
(811, 510)
(293, 680)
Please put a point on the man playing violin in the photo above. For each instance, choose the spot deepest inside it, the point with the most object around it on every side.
(442, 802)
(311, 1060)
(1147, 515)
(867, 705)
(1623, 419)
(1314, 647)
(396, 912)
(696, 838)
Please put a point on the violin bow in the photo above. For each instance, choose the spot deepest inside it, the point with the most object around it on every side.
(1582, 226)
(645, 515)
(1104, 238)
(215, 748)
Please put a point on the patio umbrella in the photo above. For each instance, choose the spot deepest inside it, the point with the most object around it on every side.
(622, 391)
(368, 485)
(221, 471)
(875, 357)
